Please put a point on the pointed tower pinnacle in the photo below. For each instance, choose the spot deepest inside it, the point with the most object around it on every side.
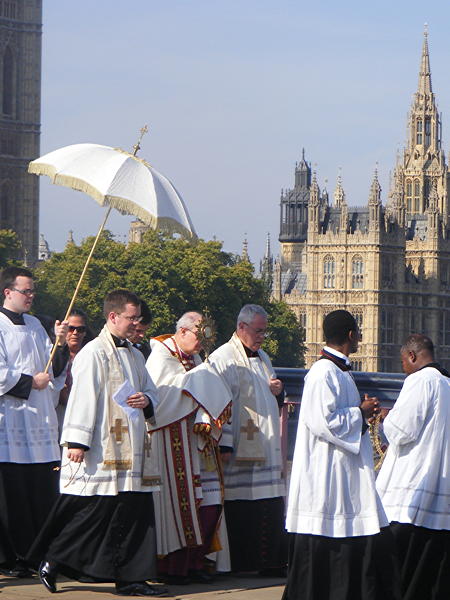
(339, 194)
(70, 240)
(314, 206)
(244, 256)
(424, 87)
(375, 189)
(268, 253)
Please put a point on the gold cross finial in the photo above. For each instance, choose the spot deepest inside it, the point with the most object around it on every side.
(137, 146)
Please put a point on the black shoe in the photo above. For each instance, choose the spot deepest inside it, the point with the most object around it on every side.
(140, 588)
(47, 575)
(20, 572)
(200, 576)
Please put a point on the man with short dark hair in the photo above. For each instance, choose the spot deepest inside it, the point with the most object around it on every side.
(251, 449)
(339, 551)
(414, 481)
(102, 526)
(29, 451)
(141, 328)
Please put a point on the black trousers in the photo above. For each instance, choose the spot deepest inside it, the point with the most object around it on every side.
(27, 494)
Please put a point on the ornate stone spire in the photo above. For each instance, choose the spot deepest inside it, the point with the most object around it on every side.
(268, 253)
(375, 190)
(314, 206)
(266, 266)
(339, 194)
(423, 164)
(244, 256)
(375, 203)
(70, 240)
(424, 87)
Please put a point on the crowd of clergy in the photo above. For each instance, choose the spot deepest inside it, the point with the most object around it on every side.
(138, 463)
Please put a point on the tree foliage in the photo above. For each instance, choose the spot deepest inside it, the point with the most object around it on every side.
(9, 244)
(172, 275)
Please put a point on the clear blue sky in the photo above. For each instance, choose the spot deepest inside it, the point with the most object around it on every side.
(232, 90)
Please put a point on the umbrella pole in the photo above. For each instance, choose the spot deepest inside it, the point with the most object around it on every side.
(83, 273)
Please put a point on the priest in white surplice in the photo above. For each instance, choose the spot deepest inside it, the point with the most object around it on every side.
(251, 449)
(189, 506)
(414, 481)
(29, 450)
(102, 526)
(339, 551)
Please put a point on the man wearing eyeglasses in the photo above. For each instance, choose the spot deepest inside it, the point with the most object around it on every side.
(29, 449)
(102, 525)
(251, 449)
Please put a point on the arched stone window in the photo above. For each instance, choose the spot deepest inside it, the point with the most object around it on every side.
(329, 270)
(358, 314)
(427, 131)
(419, 132)
(409, 195)
(416, 196)
(8, 82)
(357, 272)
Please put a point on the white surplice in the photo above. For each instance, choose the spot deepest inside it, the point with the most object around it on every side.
(414, 481)
(251, 481)
(86, 422)
(186, 478)
(332, 489)
(28, 428)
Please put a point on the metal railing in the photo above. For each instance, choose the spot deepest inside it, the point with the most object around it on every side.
(385, 386)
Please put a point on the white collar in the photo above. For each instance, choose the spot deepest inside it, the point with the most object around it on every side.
(338, 354)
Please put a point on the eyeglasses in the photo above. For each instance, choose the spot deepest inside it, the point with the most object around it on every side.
(27, 292)
(77, 328)
(194, 331)
(262, 332)
(131, 319)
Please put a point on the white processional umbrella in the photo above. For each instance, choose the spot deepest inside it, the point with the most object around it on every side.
(120, 180)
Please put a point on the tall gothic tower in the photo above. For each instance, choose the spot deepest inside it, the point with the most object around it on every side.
(20, 103)
(423, 165)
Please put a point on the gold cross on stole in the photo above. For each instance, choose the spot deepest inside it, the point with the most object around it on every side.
(250, 429)
(117, 429)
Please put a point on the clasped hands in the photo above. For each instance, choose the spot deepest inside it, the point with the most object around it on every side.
(275, 386)
(370, 407)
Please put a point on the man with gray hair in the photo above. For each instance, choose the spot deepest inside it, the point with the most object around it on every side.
(189, 506)
(251, 449)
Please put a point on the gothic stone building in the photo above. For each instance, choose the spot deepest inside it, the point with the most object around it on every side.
(388, 265)
(20, 104)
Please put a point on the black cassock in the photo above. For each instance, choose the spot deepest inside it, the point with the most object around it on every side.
(106, 537)
(352, 568)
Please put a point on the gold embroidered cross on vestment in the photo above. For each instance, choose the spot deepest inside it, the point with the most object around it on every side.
(250, 429)
(117, 429)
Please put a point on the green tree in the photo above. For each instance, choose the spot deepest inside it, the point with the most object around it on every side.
(172, 275)
(9, 244)
(285, 343)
